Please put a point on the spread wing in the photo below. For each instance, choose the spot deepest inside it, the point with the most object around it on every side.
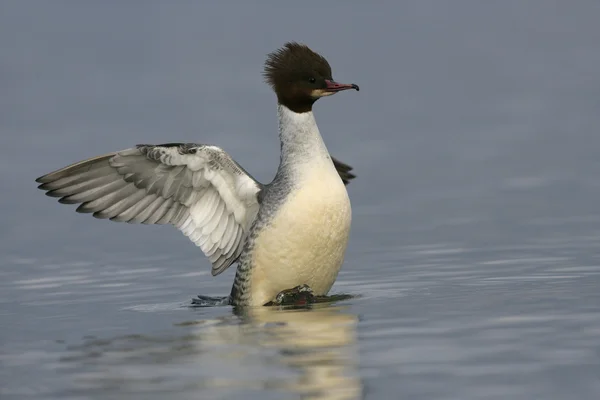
(197, 188)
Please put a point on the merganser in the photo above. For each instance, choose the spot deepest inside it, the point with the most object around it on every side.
(290, 233)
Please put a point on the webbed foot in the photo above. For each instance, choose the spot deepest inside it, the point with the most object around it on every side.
(299, 296)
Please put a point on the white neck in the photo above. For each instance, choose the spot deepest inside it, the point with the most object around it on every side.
(301, 141)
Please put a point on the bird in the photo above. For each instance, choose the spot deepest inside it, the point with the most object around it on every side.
(289, 234)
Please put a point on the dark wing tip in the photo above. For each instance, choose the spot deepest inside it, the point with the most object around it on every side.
(347, 178)
(42, 186)
(344, 170)
(43, 179)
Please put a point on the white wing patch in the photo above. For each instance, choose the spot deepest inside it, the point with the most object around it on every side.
(197, 188)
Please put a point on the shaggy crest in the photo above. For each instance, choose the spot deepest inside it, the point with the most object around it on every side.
(294, 61)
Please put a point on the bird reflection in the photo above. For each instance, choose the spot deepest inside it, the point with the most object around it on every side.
(311, 352)
(319, 343)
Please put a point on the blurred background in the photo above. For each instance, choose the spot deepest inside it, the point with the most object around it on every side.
(474, 247)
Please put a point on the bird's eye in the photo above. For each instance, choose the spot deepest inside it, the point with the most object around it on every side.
(312, 80)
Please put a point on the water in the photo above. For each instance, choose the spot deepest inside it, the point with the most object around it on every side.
(473, 259)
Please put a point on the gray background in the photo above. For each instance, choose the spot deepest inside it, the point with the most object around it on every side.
(476, 222)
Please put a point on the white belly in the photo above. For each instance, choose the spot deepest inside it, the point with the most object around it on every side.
(305, 241)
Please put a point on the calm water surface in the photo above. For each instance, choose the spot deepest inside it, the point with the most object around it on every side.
(473, 261)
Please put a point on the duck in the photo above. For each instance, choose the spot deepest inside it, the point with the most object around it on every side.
(289, 235)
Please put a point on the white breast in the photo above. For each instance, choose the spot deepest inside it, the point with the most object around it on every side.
(306, 240)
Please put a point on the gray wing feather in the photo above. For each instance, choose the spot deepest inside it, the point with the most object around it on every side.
(197, 188)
